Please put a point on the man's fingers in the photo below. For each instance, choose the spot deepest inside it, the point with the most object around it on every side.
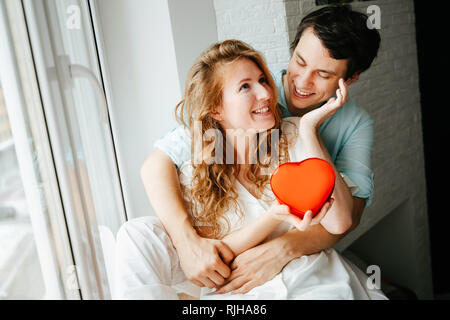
(197, 283)
(207, 282)
(232, 285)
(225, 252)
(245, 288)
(216, 278)
(223, 269)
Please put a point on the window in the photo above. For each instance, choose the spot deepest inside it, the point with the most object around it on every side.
(60, 194)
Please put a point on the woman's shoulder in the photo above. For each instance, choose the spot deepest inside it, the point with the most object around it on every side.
(289, 127)
(185, 172)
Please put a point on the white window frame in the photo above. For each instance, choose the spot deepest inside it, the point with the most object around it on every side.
(82, 224)
(45, 210)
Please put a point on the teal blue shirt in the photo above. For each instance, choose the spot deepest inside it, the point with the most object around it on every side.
(347, 135)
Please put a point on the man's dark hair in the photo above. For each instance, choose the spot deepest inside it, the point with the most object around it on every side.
(345, 34)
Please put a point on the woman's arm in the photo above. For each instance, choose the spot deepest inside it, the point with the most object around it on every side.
(255, 232)
(252, 234)
(339, 217)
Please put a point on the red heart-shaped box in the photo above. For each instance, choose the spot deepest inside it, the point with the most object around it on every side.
(304, 185)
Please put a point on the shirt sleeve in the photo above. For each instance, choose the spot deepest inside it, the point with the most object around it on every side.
(176, 144)
(353, 159)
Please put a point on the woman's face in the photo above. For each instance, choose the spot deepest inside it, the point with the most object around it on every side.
(247, 98)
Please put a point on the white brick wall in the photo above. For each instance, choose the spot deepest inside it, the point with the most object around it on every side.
(389, 91)
(260, 23)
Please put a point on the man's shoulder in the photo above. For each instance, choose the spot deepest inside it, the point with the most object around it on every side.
(350, 112)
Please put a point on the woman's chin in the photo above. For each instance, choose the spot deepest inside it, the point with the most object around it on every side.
(261, 127)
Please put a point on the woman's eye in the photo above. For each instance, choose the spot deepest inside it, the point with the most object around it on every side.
(244, 86)
(263, 80)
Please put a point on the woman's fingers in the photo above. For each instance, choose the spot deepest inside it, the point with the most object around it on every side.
(322, 212)
(282, 212)
(343, 89)
(300, 224)
(306, 221)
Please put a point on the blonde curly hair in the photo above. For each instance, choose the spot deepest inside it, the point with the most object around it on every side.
(212, 191)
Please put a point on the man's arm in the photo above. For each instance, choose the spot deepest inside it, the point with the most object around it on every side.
(200, 258)
(261, 263)
(315, 239)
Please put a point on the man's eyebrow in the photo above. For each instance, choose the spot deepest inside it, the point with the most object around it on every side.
(299, 55)
(321, 70)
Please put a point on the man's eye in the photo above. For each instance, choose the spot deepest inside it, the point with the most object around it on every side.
(301, 64)
(244, 86)
(324, 75)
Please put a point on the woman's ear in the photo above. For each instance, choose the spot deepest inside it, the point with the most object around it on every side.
(355, 77)
(216, 115)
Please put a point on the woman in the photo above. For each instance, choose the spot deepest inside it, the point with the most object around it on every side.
(230, 92)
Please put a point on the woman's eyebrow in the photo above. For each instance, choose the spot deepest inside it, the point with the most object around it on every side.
(321, 70)
(249, 79)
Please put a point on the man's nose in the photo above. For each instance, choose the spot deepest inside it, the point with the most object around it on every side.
(304, 80)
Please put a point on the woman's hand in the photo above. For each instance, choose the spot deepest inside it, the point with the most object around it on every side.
(314, 118)
(281, 212)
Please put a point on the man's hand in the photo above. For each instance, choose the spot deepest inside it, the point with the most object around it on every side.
(205, 261)
(253, 268)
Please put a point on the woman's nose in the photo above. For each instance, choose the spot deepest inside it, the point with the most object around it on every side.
(263, 92)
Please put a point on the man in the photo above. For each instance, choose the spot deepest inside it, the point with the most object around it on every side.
(331, 43)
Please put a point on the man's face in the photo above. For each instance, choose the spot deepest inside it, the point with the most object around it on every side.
(312, 75)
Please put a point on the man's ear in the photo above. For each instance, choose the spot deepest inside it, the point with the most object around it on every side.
(353, 78)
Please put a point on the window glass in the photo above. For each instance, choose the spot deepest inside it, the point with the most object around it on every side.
(19, 261)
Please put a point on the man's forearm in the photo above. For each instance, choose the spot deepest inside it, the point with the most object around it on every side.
(160, 178)
(294, 244)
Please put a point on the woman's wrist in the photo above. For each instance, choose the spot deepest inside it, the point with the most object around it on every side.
(271, 218)
(307, 130)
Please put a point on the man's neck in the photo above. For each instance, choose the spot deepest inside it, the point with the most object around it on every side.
(296, 112)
